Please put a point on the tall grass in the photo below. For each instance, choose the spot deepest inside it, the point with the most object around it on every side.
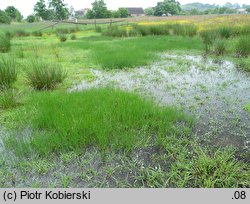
(8, 72)
(141, 30)
(132, 52)
(8, 98)
(44, 75)
(5, 44)
(243, 47)
(104, 118)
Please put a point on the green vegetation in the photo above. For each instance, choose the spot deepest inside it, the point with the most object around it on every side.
(8, 73)
(8, 99)
(44, 76)
(104, 137)
(248, 107)
(4, 43)
(243, 47)
(106, 118)
(128, 53)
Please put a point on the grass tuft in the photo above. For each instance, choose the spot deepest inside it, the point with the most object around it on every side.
(44, 76)
(8, 73)
(104, 118)
(8, 99)
(5, 44)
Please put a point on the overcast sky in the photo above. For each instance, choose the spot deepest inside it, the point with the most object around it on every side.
(26, 6)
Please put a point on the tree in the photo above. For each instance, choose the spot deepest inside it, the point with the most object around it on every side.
(123, 12)
(248, 9)
(60, 9)
(167, 6)
(99, 9)
(31, 19)
(13, 13)
(4, 18)
(90, 14)
(41, 10)
(149, 11)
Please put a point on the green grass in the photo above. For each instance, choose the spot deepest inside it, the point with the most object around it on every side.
(5, 44)
(111, 53)
(8, 99)
(8, 72)
(44, 75)
(100, 117)
(248, 107)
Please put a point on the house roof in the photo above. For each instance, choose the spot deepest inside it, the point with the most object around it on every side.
(136, 11)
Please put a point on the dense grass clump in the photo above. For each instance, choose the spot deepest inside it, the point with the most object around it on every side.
(62, 37)
(243, 47)
(8, 73)
(209, 169)
(5, 44)
(128, 53)
(105, 118)
(8, 98)
(37, 33)
(116, 31)
(219, 47)
(44, 76)
(21, 33)
(248, 107)
(73, 37)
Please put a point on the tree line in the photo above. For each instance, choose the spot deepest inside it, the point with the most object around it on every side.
(58, 10)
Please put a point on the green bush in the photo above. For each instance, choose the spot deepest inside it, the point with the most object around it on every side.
(243, 47)
(98, 29)
(62, 37)
(208, 37)
(183, 30)
(115, 31)
(73, 37)
(8, 74)
(44, 76)
(21, 33)
(225, 32)
(5, 44)
(4, 18)
(8, 98)
(37, 33)
(31, 19)
(219, 47)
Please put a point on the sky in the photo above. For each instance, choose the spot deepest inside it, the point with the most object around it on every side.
(26, 6)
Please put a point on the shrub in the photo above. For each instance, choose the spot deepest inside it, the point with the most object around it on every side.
(142, 30)
(208, 37)
(183, 30)
(37, 33)
(21, 33)
(225, 32)
(243, 47)
(44, 76)
(8, 98)
(73, 37)
(63, 37)
(115, 31)
(98, 29)
(9, 34)
(8, 74)
(19, 53)
(4, 18)
(4, 43)
(219, 47)
(31, 19)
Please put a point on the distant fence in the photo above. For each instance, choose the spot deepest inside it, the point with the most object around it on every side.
(93, 22)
